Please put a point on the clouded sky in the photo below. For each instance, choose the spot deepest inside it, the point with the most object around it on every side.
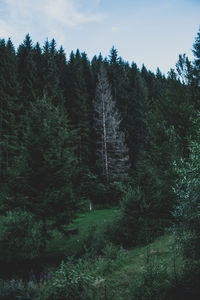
(153, 32)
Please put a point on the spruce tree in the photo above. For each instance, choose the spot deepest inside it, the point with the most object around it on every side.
(8, 106)
(196, 50)
(196, 77)
(45, 169)
(51, 77)
(78, 108)
(26, 72)
(135, 109)
(38, 60)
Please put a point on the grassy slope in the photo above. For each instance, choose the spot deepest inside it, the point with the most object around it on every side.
(160, 253)
(120, 277)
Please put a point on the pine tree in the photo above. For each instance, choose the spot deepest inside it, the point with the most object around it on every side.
(196, 76)
(42, 181)
(8, 105)
(26, 72)
(196, 51)
(51, 77)
(184, 69)
(78, 107)
(38, 60)
(62, 74)
(118, 76)
(111, 148)
(136, 107)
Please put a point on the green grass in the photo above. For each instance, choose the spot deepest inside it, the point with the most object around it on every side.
(94, 217)
(71, 245)
(120, 274)
(160, 253)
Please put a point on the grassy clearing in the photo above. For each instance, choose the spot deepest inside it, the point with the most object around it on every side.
(124, 272)
(94, 217)
(61, 244)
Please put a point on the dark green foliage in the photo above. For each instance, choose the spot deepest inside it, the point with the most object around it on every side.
(188, 283)
(8, 107)
(51, 75)
(45, 168)
(134, 113)
(137, 223)
(95, 241)
(196, 51)
(20, 236)
(79, 107)
(186, 213)
(48, 163)
(143, 100)
(131, 218)
(154, 284)
(26, 73)
(70, 281)
(9, 290)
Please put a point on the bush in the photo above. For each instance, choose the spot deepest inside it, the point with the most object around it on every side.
(188, 243)
(17, 289)
(191, 277)
(152, 284)
(20, 236)
(95, 240)
(187, 211)
(129, 223)
(185, 285)
(70, 281)
(9, 289)
(111, 259)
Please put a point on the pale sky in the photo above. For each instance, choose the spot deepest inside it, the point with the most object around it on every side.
(149, 32)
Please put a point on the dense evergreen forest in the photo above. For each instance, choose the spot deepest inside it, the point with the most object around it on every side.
(78, 134)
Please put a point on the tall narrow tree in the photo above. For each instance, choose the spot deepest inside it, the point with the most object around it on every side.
(196, 50)
(8, 105)
(112, 151)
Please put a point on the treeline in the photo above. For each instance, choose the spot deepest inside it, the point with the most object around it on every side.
(55, 157)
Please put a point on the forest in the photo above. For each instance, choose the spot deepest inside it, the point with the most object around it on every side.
(99, 162)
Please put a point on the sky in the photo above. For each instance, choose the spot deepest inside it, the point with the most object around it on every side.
(149, 32)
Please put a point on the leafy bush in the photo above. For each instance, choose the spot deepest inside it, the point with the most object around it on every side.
(20, 236)
(191, 276)
(187, 210)
(95, 240)
(111, 259)
(9, 289)
(130, 222)
(70, 281)
(151, 284)
(17, 289)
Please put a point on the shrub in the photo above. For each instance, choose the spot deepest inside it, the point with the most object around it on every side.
(129, 223)
(9, 289)
(111, 259)
(70, 281)
(20, 236)
(95, 240)
(151, 284)
(187, 211)
(17, 289)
